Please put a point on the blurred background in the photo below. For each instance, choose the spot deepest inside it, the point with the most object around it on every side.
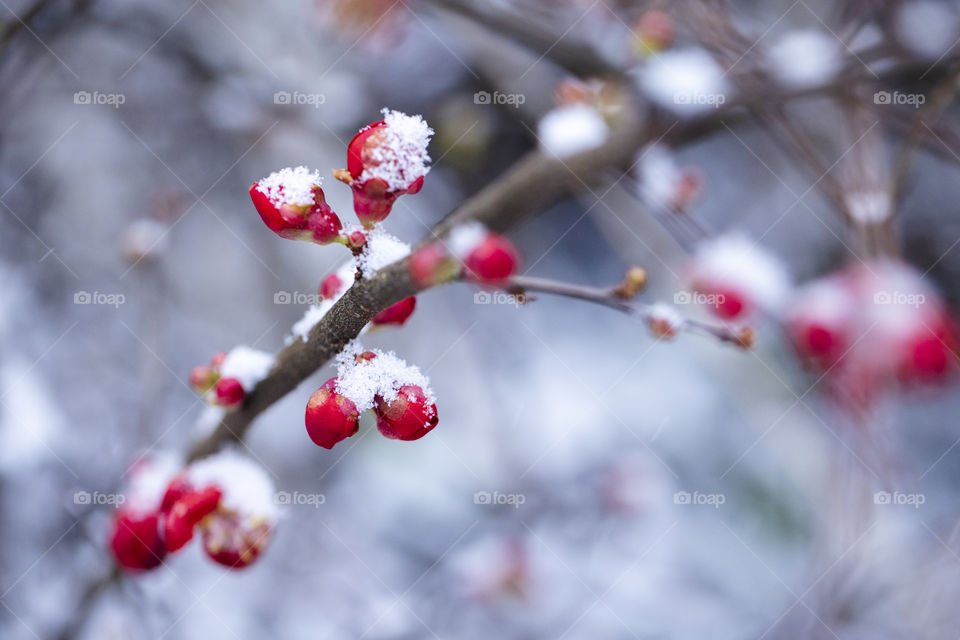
(545, 504)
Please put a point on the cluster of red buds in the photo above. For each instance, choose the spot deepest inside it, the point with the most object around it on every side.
(397, 394)
(874, 323)
(471, 251)
(385, 160)
(227, 498)
(229, 376)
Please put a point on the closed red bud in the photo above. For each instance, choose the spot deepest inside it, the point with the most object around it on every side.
(228, 392)
(396, 314)
(331, 286)
(357, 240)
(728, 304)
(292, 205)
(136, 542)
(385, 160)
(409, 416)
(177, 488)
(330, 417)
(186, 513)
(431, 264)
(216, 361)
(492, 261)
(202, 378)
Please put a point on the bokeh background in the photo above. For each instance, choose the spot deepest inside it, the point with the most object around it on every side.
(571, 410)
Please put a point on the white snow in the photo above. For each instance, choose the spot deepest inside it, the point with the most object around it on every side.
(290, 186)
(572, 129)
(665, 315)
(144, 237)
(148, 481)
(383, 376)
(735, 261)
(402, 156)
(208, 420)
(869, 207)
(927, 28)
(686, 81)
(381, 249)
(658, 175)
(465, 238)
(247, 365)
(805, 58)
(247, 488)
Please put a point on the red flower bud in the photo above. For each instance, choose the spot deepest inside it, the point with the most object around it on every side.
(331, 286)
(330, 417)
(230, 540)
(186, 513)
(492, 261)
(409, 416)
(136, 542)
(216, 361)
(385, 160)
(396, 314)
(202, 378)
(292, 204)
(228, 392)
(431, 264)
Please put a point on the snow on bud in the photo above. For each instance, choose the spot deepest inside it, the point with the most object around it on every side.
(292, 204)
(664, 185)
(821, 321)
(330, 417)
(740, 276)
(380, 250)
(385, 160)
(571, 129)
(409, 416)
(398, 393)
(664, 321)
(238, 530)
(685, 81)
(805, 58)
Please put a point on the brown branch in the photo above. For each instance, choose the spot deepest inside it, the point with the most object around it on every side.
(609, 298)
